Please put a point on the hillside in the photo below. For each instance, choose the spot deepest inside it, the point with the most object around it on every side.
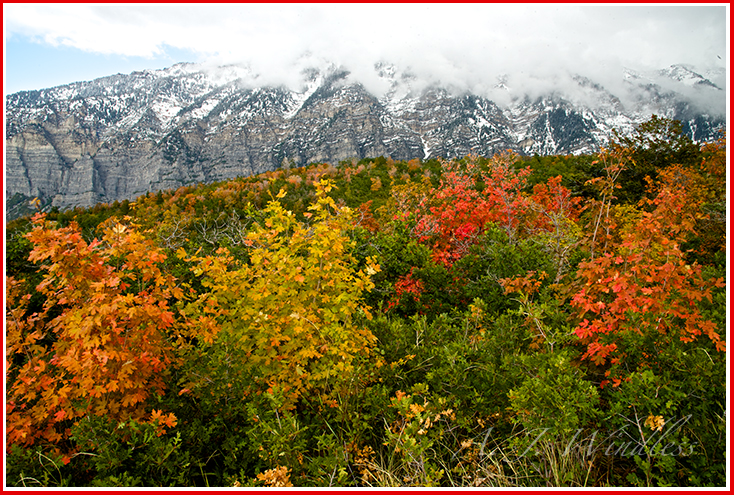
(488, 321)
(118, 137)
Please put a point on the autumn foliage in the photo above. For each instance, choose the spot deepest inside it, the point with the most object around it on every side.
(641, 281)
(457, 210)
(381, 323)
(99, 345)
(285, 318)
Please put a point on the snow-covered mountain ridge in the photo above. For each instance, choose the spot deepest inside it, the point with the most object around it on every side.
(120, 136)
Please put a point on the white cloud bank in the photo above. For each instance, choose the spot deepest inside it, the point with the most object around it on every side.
(465, 45)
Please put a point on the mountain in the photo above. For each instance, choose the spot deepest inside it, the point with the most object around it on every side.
(121, 136)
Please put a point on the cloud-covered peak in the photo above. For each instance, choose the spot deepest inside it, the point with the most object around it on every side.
(453, 45)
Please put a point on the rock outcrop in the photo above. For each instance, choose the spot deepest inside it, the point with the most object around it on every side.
(121, 136)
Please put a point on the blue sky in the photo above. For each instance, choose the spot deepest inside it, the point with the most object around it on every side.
(52, 44)
(32, 65)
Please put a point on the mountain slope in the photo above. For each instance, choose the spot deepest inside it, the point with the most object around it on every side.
(118, 137)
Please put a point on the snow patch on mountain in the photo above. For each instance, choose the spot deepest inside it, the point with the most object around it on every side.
(192, 123)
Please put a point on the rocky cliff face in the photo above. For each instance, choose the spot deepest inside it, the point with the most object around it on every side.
(118, 137)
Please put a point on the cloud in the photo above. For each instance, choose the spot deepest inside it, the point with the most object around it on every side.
(468, 46)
